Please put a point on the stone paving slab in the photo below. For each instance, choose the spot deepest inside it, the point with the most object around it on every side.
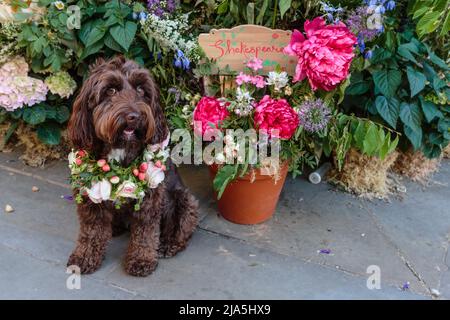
(419, 226)
(304, 225)
(408, 239)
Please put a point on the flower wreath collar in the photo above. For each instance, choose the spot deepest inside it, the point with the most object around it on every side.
(103, 180)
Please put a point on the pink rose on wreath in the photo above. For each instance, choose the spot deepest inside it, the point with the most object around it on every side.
(276, 114)
(210, 111)
(324, 56)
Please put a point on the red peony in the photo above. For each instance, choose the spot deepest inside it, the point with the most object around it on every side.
(324, 56)
(210, 111)
(276, 114)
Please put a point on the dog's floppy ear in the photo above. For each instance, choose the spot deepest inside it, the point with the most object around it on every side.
(161, 129)
(80, 128)
(98, 62)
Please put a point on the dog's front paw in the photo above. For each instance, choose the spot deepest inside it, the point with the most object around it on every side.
(86, 263)
(168, 251)
(140, 267)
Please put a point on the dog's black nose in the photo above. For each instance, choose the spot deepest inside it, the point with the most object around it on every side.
(132, 117)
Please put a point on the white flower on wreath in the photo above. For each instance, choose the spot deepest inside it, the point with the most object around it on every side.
(59, 5)
(278, 79)
(155, 175)
(127, 190)
(100, 191)
(72, 156)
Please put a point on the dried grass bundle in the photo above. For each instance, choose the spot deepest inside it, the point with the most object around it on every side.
(363, 175)
(34, 152)
(415, 166)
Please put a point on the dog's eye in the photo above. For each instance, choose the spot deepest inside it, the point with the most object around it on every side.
(111, 91)
(140, 90)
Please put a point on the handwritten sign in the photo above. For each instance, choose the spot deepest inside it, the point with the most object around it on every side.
(234, 47)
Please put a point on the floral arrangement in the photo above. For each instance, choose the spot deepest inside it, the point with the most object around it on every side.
(106, 180)
(260, 102)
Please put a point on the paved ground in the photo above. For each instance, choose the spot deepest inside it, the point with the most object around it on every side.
(407, 239)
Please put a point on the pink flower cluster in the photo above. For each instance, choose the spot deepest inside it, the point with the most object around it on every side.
(17, 89)
(325, 55)
(257, 81)
(254, 64)
(276, 114)
(210, 112)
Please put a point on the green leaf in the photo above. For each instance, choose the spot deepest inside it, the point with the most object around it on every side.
(262, 11)
(414, 136)
(405, 51)
(124, 35)
(96, 34)
(379, 55)
(359, 135)
(384, 150)
(224, 176)
(49, 133)
(112, 44)
(251, 13)
(387, 81)
(223, 7)
(393, 144)
(388, 109)
(446, 26)
(410, 115)
(438, 61)
(430, 110)
(357, 85)
(417, 80)
(62, 114)
(371, 142)
(34, 115)
(96, 47)
(284, 6)
(428, 23)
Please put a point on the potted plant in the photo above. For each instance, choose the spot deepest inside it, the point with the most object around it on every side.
(290, 116)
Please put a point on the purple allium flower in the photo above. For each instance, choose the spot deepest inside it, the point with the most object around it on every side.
(314, 115)
(161, 7)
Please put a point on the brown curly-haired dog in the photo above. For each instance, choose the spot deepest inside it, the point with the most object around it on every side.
(115, 115)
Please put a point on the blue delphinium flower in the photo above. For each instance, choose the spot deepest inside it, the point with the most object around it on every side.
(361, 43)
(181, 61)
(139, 15)
(390, 5)
(368, 54)
(331, 12)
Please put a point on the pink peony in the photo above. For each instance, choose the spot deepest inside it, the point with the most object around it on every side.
(209, 111)
(324, 56)
(276, 114)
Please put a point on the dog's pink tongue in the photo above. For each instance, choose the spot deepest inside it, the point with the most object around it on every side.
(128, 132)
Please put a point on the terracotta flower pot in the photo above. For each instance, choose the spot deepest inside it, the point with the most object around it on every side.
(250, 202)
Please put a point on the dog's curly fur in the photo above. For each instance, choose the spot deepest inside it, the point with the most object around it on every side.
(120, 97)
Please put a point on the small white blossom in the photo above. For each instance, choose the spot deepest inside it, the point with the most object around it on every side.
(278, 79)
